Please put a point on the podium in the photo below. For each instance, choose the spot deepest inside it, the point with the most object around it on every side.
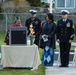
(18, 36)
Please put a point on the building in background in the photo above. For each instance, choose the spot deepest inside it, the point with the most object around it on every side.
(65, 4)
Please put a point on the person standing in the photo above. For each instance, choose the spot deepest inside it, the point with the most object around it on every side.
(36, 24)
(65, 34)
(17, 23)
(48, 36)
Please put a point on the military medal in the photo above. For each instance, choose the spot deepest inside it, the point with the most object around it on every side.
(36, 22)
(68, 24)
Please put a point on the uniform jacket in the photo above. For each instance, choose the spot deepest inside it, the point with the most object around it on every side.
(51, 34)
(65, 30)
(36, 25)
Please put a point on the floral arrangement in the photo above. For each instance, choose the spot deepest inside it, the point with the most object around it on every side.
(32, 32)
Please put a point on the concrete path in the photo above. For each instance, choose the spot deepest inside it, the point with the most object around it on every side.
(56, 70)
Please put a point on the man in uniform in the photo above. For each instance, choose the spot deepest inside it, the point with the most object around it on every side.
(36, 25)
(65, 34)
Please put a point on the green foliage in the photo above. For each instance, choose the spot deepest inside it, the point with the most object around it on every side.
(1, 15)
(18, 1)
(34, 2)
(45, 5)
(2, 36)
(74, 38)
(53, 5)
(0, 9)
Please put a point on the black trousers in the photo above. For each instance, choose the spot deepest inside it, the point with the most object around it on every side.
(64, 53)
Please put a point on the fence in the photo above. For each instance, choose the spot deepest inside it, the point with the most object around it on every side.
(7, 19)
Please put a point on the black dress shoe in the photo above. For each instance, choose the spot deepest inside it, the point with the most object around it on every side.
(61, 66)
(66, 66)
(51, 65)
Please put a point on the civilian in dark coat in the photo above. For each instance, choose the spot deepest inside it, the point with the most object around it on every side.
(48, 31)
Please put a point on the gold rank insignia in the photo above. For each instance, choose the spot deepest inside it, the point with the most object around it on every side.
(73, 26)
(68, 24)
(72, 36)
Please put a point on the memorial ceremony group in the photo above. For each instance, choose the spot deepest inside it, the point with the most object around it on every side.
(45, 35)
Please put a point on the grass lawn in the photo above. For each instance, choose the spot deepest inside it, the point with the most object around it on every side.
(74, 38)
(40, 71)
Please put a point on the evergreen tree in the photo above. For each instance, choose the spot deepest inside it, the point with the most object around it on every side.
(34, 2)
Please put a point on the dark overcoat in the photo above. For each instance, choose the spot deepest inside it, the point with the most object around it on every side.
(51, 34)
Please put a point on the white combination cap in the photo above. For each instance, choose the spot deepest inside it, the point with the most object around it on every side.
(64, 12)
(33, 11)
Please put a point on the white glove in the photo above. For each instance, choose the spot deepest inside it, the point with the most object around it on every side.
(58, 40)
(70, 41)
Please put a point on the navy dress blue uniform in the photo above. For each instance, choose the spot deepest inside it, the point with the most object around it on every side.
(65, 32)
(37, 27)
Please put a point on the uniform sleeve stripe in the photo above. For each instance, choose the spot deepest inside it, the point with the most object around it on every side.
(71, 36)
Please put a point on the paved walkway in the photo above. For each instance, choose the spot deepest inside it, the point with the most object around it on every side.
(56, 70)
